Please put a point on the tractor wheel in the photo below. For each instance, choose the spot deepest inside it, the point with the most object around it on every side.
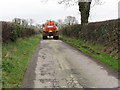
(56, 37)
(44, 37)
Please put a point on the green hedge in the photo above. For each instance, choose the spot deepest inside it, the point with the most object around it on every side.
(11, 31)
(104, 33)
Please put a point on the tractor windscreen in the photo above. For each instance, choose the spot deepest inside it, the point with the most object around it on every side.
(50, 26)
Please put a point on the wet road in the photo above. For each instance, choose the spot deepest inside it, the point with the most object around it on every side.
(58, 65)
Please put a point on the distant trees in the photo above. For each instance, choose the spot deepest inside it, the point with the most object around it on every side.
(31, 21)
(39, 26)
(60, 23)
(70, 20)
(23, 22)
(84, 7)
(17, 20)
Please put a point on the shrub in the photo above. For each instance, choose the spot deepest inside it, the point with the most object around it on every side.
(11, 31)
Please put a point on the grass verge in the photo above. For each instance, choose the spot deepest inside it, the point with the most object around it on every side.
(93, 51)
(15, 59)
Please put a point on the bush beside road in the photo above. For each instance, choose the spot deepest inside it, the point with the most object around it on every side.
(12, 31)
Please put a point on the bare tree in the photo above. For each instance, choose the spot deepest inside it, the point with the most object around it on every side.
(19, 21)
(24, 22)
(70, 20)
(16, 20)
(30, 21)
(84, 7)
(60, 23)
(39, 26)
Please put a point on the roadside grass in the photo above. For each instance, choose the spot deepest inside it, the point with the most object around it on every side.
(93, 51)
(15, 59)
(0, 66)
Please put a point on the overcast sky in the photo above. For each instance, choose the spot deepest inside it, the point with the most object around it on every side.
(42, 11)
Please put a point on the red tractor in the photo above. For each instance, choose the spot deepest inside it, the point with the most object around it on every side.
(50, 29)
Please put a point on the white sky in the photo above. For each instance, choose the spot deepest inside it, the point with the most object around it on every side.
(40, 11)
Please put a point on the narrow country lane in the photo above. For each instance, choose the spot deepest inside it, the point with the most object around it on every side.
(58, 65)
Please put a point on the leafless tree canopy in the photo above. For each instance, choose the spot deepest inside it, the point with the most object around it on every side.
(84, 7)
(70, 20)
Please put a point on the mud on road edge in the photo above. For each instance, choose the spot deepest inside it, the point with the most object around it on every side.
(30, 73)
(106, 67)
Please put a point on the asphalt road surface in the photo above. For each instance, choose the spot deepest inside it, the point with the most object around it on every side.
(59, 65)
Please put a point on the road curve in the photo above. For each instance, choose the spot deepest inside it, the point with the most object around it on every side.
(58, 65)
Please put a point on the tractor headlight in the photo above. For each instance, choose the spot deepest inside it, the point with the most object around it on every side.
(50, 31)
